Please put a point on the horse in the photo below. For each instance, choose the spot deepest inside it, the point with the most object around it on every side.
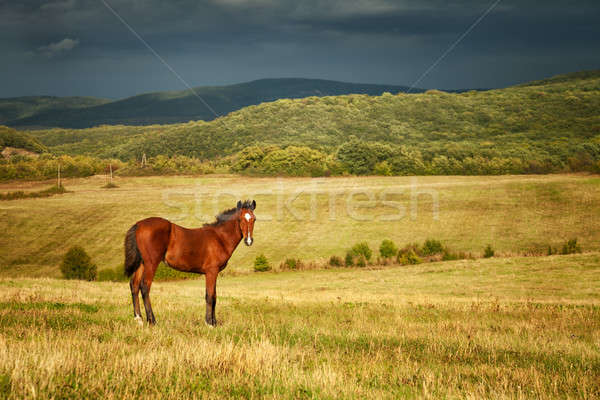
(204, 250)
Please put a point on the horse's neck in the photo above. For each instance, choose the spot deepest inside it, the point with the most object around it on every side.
(231, 234)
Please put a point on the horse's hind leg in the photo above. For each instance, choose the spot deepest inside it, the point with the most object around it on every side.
(134, 284)
(148, 276)
(211, 297)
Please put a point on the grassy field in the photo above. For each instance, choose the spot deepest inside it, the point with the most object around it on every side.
(524, 327)
(515, 214)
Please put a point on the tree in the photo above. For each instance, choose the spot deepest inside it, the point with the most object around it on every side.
(77, 264)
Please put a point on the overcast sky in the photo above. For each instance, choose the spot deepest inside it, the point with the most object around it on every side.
(78, 47)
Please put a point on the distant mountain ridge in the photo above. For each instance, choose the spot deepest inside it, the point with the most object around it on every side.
(19, 108)
(173, 106)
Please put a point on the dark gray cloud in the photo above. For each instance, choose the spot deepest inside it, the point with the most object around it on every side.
(76, 47)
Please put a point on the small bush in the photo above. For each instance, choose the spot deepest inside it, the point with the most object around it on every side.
(362, 249)
(349, 260)
(361, 261)
(432, 247)
(488, 252)
(291, 263)
(388, 249)
(414, 247)
(409, 258)
(261, 264)
(571, 247)
(77, 264)
(552, 250)
(335, 261)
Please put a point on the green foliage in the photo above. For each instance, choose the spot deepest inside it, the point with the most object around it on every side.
(388, 249)
(361, 261)
(335, 261)
(409, 258)
(571, 247)
(349, 259)
(488, 252)
(524, 129)
(172, 106)
(77, 264)
(261, 264)
(432, 247)
(291, 161)
(291, 264)
(383, 168)
(362, 249)
(12, 138)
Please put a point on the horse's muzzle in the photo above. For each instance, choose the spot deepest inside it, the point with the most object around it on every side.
(248, 241)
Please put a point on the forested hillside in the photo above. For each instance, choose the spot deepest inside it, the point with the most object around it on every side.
(175, 106)
(19, 140)
(546, 126)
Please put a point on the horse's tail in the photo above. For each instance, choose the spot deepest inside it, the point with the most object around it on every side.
(133, 258)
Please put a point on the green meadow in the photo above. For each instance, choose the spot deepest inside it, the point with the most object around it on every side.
(306, 218)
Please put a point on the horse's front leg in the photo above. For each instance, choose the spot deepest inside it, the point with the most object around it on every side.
(211, 297)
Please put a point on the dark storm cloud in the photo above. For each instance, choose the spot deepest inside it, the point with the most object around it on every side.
(82, 48)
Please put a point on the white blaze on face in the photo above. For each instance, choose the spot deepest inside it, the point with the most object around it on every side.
(248, 217)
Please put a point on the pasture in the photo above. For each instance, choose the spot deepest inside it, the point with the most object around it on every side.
(525, 327)
(304, 218)
(513, 326)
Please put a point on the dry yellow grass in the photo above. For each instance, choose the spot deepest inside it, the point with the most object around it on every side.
(497, 328)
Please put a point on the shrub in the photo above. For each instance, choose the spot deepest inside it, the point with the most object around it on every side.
(488, 252)
(362, 249)
(291, 263)
(361, 262)
(77, 264)
(432, 247)
(413, 246)
(261, 264)
(349, 260)
(388, 249)
(335, 261)
(552, 250)
(571, 247)
(409, 258)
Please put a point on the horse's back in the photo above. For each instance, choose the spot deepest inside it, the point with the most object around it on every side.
(152, 236)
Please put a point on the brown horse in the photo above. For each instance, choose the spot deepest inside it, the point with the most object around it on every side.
(204, 250)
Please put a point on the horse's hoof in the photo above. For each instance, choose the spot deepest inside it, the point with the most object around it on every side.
(139, 320)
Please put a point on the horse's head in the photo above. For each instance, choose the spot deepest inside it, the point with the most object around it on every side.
(246, 219)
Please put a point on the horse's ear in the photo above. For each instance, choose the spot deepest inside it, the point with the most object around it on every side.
(253, 204)
(239, 205)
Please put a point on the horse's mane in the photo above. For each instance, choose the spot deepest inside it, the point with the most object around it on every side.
(226, 215)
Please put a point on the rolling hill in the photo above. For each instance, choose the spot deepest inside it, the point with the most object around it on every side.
(547, 118)
(16, 109)
(172, 106)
